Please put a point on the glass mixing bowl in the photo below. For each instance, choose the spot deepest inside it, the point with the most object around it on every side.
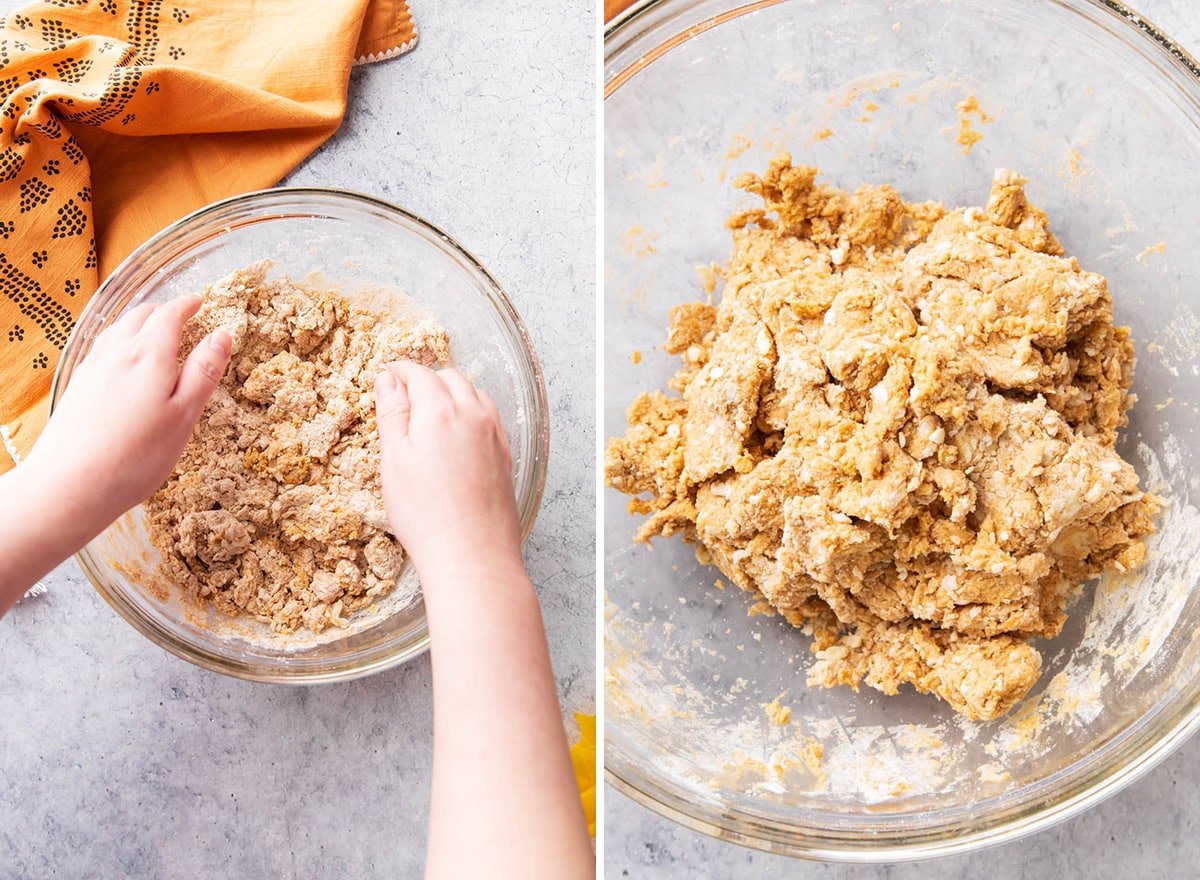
(371, 252)
(1102, 113)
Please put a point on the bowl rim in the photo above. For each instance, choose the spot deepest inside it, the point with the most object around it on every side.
(132, 270)
(1130, 760)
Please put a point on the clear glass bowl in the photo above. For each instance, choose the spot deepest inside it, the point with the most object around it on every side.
(371, 252)
(1102, 113)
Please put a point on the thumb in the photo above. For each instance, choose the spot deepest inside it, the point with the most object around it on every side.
(392, 408)
(202, 371)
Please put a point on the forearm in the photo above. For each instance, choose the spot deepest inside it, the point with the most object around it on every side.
(503, 789)
(39, 528)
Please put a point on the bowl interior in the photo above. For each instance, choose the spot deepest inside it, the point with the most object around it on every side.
(1102, 119)
(376, 255)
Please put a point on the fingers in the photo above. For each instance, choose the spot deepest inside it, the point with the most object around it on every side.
(425, 389)
(392, 408)
(422, 394)
(461, 391)
(489, 406)
(202, 372)
(164, 326)
(130, 322)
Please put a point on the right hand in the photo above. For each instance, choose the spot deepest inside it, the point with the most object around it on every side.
(447, 472)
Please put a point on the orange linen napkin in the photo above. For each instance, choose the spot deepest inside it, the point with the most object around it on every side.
(117, 117)
(583, 759)
(613, 8)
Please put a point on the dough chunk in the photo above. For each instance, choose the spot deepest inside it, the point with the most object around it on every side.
(898, 427)
(275, 509)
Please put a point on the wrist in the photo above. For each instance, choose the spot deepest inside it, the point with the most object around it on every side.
(57, 506)
(471, 573)
(36, 538)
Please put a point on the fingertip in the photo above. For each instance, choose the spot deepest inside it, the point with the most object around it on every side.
(403, 369)
(203, 370)
(488, 403)
(387, 389)
(213, 355)
(188, 305)
(416, 379)
(221, 342)
(392, 405)
(133, 320)
(392, 385)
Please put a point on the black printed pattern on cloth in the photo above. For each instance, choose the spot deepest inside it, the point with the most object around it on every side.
(119, 88)
(50, 127)
(35, 192)
(11, 163)
(72, 220)
(142, 24)
(123, 81)
(35, 304)
(73, 151)
(71, 70)
(8, 85)
(56, 34)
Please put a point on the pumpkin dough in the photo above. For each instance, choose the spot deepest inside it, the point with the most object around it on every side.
(275, 508)
(898, 427)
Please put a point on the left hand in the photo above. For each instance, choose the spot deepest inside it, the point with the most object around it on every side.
(128, 412)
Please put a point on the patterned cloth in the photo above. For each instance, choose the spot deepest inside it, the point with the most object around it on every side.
(117, 117)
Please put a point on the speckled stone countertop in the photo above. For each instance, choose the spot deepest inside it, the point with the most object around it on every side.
(119, 760)
(1152, 829)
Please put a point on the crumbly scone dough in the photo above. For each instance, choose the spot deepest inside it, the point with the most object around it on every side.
(898, 426)
(275, 508)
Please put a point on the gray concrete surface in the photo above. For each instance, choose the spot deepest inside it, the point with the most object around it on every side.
(118, 760)
(1149, 830)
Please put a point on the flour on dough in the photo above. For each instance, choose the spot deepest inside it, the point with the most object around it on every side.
(275, 508)
(898, 427)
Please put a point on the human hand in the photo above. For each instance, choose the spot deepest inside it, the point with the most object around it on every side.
(128, 412)
(447, 472)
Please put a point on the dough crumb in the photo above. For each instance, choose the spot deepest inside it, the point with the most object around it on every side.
(777, 712)
(275, 509)
(968, 135)
(737, 148)
(1151, 249)
(639, 242)
(897, 428)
